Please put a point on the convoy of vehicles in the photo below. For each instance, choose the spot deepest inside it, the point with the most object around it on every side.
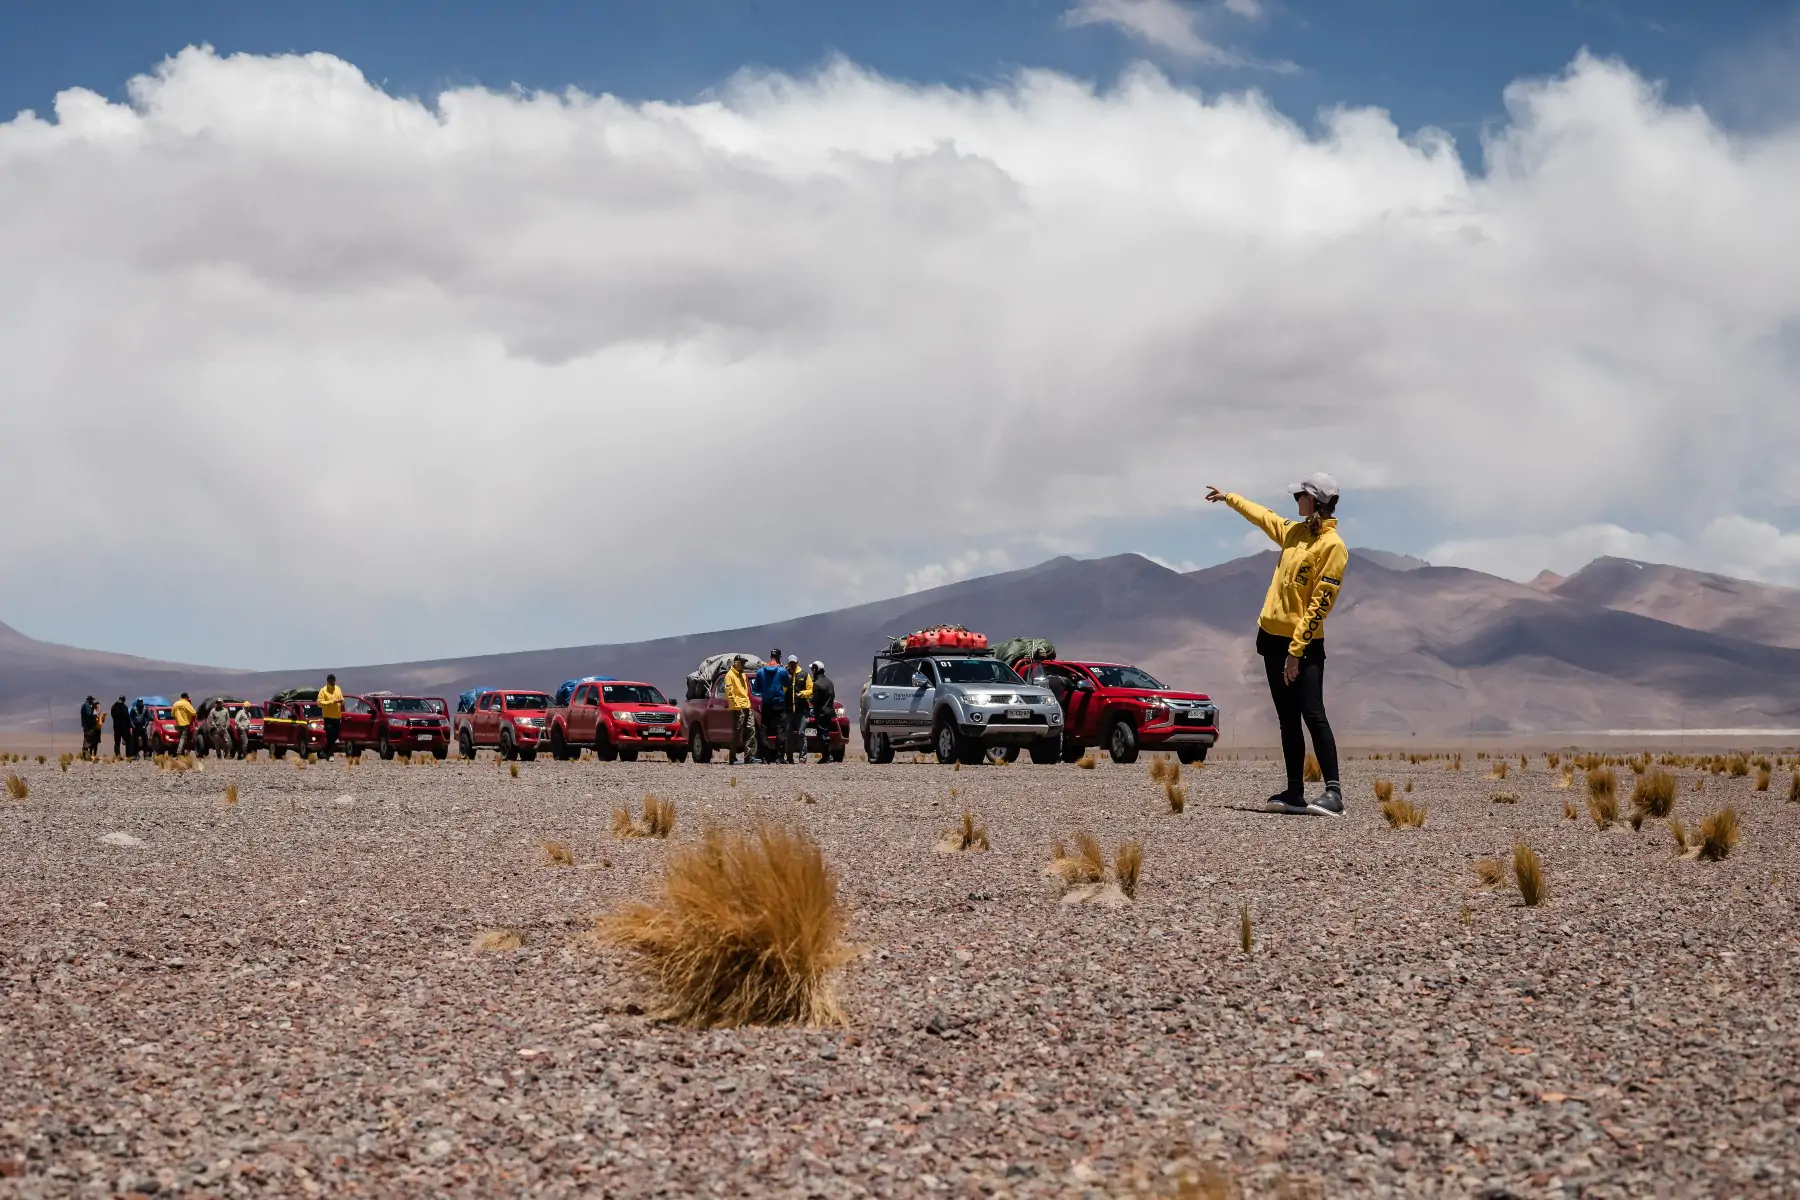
(515, 723)
(941, 689)
(616, 719)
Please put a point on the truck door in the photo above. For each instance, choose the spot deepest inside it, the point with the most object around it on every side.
(1079, 703)
(716, 716)
(921, 699)
(584, 714)
(357, 728)
(487, 720)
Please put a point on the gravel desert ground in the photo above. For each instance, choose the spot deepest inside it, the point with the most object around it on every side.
(282, 996)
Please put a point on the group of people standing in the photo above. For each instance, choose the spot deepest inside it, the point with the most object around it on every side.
(228, 729)
(787, 696)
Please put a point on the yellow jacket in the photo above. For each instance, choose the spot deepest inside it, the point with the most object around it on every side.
(802, 686)
(184, 712)
(737, 690)
(331, 702)
(1307, 578)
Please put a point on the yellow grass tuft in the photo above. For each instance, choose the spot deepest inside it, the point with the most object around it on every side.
(1565, 780)
(497, 939)
(747, 931)
(556, 854)
(1654, 794)
(1127, 862)
(1719, 835)
(1489, 872)
(1402, 814)
(1738, 765)
(1311, 772)
(1604, 809)
(17, 788)
(1569, 813)
(231, 795)
(1794, 788)
(1175, 794)
(1763, 778)
(1499, 771)
(512, 768)
(1087, 762)
(1087, 865)
(1678, 831)
(658, 822)
(969, 835)
(1528, 873)
(1408, 788)
(1384, 790)
(1158, 770)
(1246, 934)
(1505, 797)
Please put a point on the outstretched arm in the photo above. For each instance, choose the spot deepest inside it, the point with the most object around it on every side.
(1276, 527)
(1312, 623)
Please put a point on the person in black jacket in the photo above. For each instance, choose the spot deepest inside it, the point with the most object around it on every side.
(824, 702)
(121, 717)
(140, 724)
(90, 728)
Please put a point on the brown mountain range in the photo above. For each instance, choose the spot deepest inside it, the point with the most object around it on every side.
(1413, 648)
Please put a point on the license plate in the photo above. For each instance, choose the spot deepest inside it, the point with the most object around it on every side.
(424, 737)
(656, 733)
(1018, 714)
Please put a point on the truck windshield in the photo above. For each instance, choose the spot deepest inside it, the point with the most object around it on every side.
(976, 670)
(163, 714)
(1128, 677)
(406, 704)
(631, 693)
(527, 700)
(312, 711)
(255, 711)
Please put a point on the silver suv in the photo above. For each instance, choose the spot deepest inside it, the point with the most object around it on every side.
(962, 705)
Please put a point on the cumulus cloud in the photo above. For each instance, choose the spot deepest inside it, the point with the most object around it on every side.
(299, 371)
(1170, 25)
(1733, 545)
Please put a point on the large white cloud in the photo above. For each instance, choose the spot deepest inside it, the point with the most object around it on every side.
(296, 369)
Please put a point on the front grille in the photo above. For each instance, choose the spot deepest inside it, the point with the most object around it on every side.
(651, 718)
(1003, 719)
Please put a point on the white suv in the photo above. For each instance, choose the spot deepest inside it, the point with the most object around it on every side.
(960, 704)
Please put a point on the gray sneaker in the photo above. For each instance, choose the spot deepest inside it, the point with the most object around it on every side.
(1331, 803)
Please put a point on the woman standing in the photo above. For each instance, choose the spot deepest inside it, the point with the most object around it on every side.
(1291, 632)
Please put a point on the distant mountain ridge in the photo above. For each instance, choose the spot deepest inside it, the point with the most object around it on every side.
(1418, 649)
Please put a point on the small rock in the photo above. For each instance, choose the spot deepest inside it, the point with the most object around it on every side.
(347, 802)
(120, 838)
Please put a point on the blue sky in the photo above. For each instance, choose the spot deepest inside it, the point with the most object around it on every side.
(287, 305)
(1428, 62)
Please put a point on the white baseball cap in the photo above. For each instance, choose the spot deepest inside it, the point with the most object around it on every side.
(1318, 485)
(794, 660)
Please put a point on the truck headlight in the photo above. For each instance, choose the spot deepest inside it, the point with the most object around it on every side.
(980, 697)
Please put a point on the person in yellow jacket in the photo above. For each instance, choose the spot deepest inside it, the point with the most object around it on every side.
(737, 699)
(799, 705)
(1291, 631)
(183, 711)
(331, 708)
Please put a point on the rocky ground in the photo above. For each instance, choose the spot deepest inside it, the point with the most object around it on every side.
(281, 997)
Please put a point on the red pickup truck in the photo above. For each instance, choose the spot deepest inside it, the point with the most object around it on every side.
(296, 725)
(618, 718)
(395, 725)
(707, 718)
(514, 723)
(1125, 709)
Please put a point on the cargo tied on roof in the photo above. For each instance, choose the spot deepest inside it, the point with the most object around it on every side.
(938, 639)
(1019, 649)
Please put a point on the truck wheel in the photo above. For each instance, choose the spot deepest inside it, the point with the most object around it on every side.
(697, 746)
(628, 755)
(385, 750)
(558, 751)
(440, 753)
(466, 744)
(678, 754)
(1071, 750)
(1001, 755)
(1191, 754)
(878, 748)
(1122, 743)
(277, 751)
(507, 749)
(604, 750)
(1047, 751)
(527, 755)
(948, 741)
(837, 755)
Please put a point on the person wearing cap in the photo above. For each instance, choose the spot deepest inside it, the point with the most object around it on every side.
(772, 687)
(1291, 631)
(737, 699)
(90, 728)
(824, 706)
(183, 710)
(800, 689)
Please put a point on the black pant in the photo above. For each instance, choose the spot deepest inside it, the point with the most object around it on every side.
(121, 741)
(796, 738)
(774, 731)
(331, 732)
(1302, 700)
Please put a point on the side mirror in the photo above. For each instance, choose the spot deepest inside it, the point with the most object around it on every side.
(1084, 685)
(919, 680)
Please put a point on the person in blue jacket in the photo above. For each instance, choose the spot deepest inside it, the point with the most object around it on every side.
(772, 687)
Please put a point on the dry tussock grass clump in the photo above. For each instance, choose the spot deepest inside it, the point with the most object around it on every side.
(1128, 861)
(1763, 779)
(1794, 788)
(1246, 932)
(1489, 872)
(1086, 866)
(1159, 770)
(556, 854)
(17, 788)
(1402, 814)
(1087, 762)
(512, 769)
(1499, 771)
(1653, 794)
(1604, 809)
(1678, 831)
(497, 939)
(1505, 797)
(1569, 813)
(1384, 790)
(970, 835)
(747, 931)
(1408, 788)
(1738, 765)
(231, 795)
(1719, 835)
(1528, 874)
(1311, 771)
(1176, 795)
(1565, 780)
(658, 822)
